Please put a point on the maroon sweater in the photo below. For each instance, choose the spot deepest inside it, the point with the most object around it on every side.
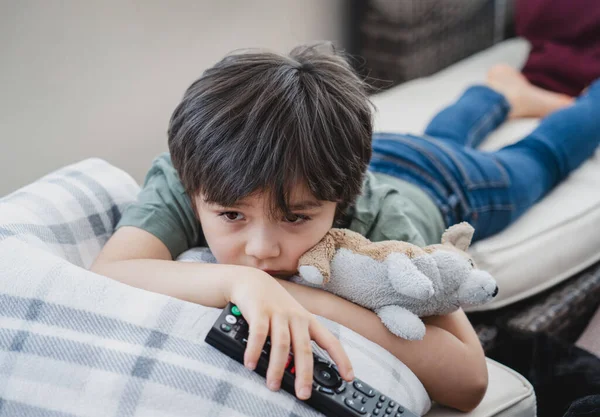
(565, 39)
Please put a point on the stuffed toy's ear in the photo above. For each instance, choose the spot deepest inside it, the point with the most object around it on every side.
(314, 266)
(406, 278)
(459, 236)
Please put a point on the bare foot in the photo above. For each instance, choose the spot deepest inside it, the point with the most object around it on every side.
(526, 99)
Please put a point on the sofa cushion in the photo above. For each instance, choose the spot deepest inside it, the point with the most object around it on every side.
(552, 241)
(509, 395)
(71, 212)
(76, 343)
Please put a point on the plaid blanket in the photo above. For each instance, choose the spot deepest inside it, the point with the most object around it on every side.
(74, 343)
(71, 212)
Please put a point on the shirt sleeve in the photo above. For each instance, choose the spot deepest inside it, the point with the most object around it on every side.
(164, 209)
(382, 213)
(393, 223)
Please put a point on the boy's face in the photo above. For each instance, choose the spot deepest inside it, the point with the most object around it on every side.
(245, 235)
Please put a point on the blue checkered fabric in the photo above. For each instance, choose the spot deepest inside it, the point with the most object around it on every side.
(74, 343)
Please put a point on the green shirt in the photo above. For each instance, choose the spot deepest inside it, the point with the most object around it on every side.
(387, 209)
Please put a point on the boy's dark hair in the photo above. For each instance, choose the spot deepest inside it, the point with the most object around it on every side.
(260, 121)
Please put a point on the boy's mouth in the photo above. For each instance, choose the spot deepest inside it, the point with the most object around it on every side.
(278, 274)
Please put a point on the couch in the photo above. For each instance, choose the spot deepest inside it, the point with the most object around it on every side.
(74, 343)
(547, 263)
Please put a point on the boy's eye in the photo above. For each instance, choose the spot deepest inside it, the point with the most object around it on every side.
(235, 216)
(231, 215)
(296, 218)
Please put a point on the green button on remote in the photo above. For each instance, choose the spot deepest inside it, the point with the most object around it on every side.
(235, 311)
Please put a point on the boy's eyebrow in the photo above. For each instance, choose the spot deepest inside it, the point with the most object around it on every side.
(307, 204)
(302, 205)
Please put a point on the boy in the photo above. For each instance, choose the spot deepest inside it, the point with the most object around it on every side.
(267, 152)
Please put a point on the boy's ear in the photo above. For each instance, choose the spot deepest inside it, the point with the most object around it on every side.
(459, 236)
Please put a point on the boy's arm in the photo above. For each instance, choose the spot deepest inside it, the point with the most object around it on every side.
(449, 361)
(136, 257)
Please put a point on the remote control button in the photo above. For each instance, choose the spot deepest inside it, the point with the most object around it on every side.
(326, 390)
(230, 319)
(341, 388)
(376, 412)
(363, 400)
(236, 311)
(325, 375)
(388, 410)
(318, 359)
(355, 406)
(382, 398)
(364, 388)
(288, 362)
(354, 394)
(226, 327)
(400, 410)
(392, 404)
(379, 405)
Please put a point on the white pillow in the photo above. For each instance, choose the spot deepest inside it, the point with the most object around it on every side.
(81, 344)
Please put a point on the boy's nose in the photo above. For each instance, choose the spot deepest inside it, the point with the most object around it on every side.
(261, 247)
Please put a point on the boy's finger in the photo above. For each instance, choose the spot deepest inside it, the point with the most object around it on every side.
(303, 359)
(257, 334)
(280, 349)
(332, 345)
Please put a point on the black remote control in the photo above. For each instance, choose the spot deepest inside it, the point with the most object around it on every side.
(331, 395)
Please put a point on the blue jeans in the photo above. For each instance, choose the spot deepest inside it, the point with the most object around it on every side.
(490, 189)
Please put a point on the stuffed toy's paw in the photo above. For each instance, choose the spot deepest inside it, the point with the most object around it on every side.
(402, 322)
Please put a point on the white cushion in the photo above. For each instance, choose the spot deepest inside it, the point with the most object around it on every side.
(525, 258)
(509, 395)
(75, 343)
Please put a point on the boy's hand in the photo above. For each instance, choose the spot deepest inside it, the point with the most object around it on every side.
(270, 309)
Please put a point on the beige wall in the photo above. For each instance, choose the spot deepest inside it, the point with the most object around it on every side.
(81, 78)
